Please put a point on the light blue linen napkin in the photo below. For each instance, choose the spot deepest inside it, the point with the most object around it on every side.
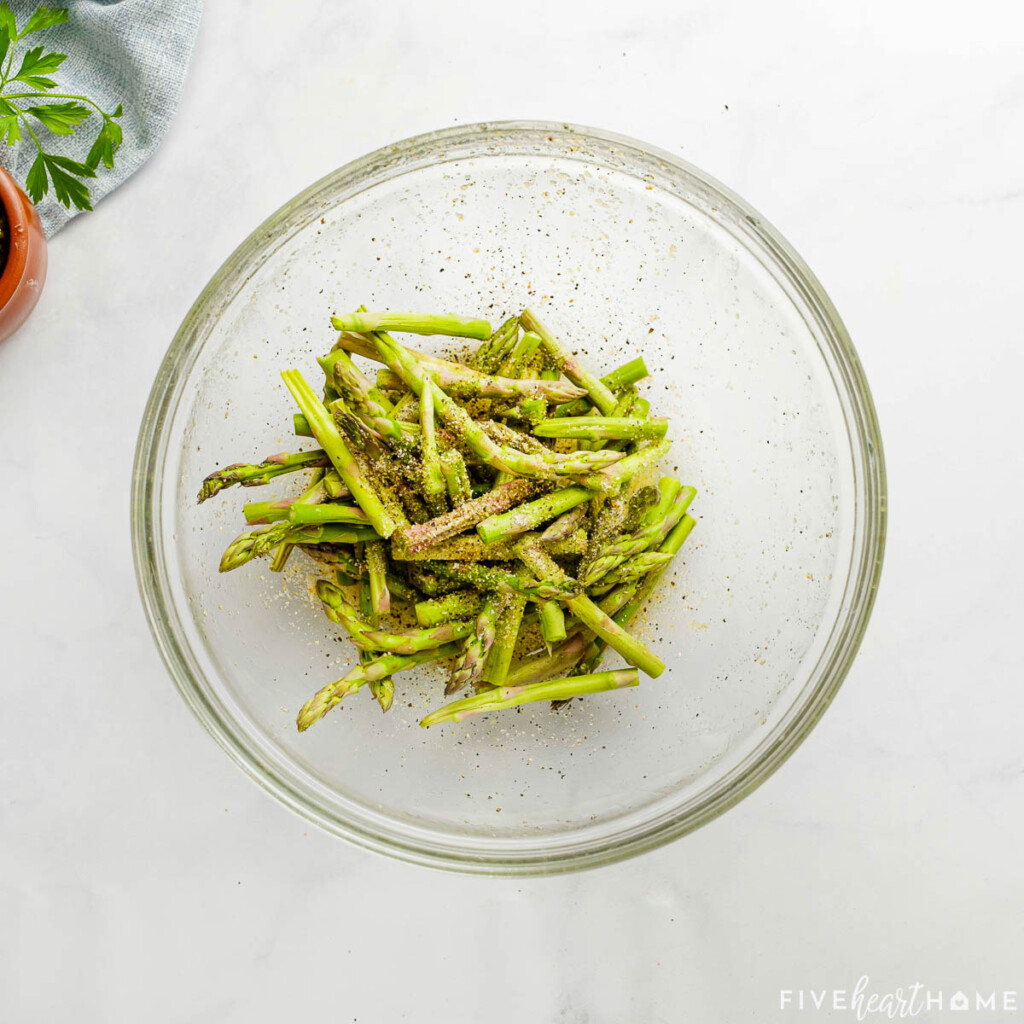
(132, 52)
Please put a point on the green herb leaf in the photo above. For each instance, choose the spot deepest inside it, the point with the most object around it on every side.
(82, 170)
(60, 118)
(105, 145)
(10, 128)
(35, 65)
(44, 17)
(8, 22)
(37, 182)
(66, 188)
(5, 42)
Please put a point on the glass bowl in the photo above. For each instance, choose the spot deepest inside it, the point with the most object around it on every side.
(625, 250)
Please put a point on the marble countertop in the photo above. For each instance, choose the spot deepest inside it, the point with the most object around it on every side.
(144, 877)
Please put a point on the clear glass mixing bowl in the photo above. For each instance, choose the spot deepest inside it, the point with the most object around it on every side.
(626, 250)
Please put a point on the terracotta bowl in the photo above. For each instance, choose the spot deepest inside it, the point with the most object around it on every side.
(25, 271)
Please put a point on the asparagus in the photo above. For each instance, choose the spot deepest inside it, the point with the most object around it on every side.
(599, 393)
(376, 569)
(259, 512)
(260, 539)
(506, 632)
(392, 453)
(530, 410)
(564, 526)
(466, 383)
(434, 488)
(411, 539)
(334, 486)
(545, 465)
(539, 562)
(456, 478)
(383, 690)
(532, 514)
(488, 578)
(637, 566)
(597, 428)
(518, 359)
(331, 695)
(502, 697)
(503, 434)
(467, 548)
(469, 666)
(462, 604)
(654, 527)
(326, 513)
(491, 353)
(610, 479)
(413, 323)
(621, 377)
(331, 441)
(351, 382)
(409, 641)
(254, 475)
(552, 622)
(632, 597)
(316, 492)
(377, 425)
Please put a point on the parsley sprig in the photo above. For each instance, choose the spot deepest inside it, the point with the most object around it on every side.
(62, 113)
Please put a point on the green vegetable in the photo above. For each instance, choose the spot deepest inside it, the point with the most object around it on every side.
(511, 696)
(481, 458)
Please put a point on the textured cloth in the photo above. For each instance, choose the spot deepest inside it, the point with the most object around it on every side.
(133, 52)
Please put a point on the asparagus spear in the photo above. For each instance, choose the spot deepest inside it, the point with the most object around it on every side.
(468, 548)
(654, 527)
(434, 488)
(330, 440)
(488, 578)
(334, 693)
(522, 352)
(565, 525)
(538, 561)
(600, 395)
(376, 569)
(383, 690)
(510, 696)
(597, 428)
(619, 378)
(258, 513)
(456, 478)
(409, 641)
(326, 513)
(413, 323)
(462, 604)
(493, 351)
(610, 479)
(469, 666)
(411, 539)
(316, 492)
(253, 475)
(495, 669)
(509, 437)
(531, 515)
(552, 623)
(637, 566)
(466, 383)
(632, 597)
(260, 540)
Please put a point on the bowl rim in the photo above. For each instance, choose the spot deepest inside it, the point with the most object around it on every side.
(744, 777)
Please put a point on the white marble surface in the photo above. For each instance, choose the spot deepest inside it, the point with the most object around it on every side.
(143, 877)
